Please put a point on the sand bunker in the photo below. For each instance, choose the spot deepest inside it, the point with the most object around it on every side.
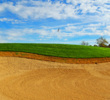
(28, 79)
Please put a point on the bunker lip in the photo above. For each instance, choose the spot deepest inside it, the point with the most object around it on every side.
(55, 59)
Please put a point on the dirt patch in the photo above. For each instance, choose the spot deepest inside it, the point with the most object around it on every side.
(55, 59)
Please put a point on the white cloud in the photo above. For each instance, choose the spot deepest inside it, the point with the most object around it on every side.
(70, 28)
(98, 2)
(73, 30)
(107, 31)
(13, 21)
(3, 40)
(5, 19)
(93, 10)
(39, 9)
(68, 31)
(99, 10)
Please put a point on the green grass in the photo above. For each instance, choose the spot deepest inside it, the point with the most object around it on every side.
(58, 50)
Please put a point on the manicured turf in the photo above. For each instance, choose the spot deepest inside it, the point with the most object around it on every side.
(58, 50)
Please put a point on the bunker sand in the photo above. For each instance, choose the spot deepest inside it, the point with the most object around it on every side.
(28, 79)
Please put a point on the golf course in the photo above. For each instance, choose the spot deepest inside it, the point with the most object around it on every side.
(54, 72)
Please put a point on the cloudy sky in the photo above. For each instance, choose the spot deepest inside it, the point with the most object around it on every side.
(54, 21)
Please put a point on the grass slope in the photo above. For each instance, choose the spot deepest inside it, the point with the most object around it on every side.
(58, 50)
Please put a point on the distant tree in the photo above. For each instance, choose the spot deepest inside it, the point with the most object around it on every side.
(95, 45)
(102, 42)
(84, 43)
(109, 45)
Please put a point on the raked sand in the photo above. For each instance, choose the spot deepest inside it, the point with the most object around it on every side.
(28, 79)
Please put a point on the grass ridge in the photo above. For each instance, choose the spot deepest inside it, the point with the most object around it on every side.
(57, 50)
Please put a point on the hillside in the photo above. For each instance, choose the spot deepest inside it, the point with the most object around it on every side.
(57, 50)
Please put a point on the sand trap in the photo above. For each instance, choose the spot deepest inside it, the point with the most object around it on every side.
(28, 79)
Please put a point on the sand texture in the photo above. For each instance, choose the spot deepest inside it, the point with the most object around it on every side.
(29, 79)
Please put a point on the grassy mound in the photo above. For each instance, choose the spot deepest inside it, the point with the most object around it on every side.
(58, 50)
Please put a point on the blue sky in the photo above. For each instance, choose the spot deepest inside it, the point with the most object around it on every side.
(38, 21)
